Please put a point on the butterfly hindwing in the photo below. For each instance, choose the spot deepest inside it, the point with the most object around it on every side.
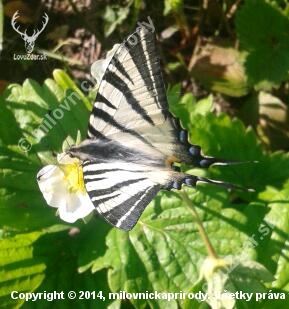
(121, 191)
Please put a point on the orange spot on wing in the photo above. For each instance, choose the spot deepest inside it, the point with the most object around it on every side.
(171, 159)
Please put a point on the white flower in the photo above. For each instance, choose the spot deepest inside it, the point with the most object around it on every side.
(62, 187)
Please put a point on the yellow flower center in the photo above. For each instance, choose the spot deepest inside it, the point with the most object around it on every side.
(73, 176)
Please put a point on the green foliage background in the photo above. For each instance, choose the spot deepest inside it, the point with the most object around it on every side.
(164, 252)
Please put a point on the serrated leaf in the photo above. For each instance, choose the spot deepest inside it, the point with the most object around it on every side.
(233, 287)
(276, 247)
(164, 250)
(222, 137)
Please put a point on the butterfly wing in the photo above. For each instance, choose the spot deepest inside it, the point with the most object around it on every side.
(131, 94)
(120, 191)
(131, 105)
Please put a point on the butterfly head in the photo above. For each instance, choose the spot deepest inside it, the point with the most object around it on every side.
(83, 151)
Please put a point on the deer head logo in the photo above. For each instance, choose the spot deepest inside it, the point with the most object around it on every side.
(29, 40)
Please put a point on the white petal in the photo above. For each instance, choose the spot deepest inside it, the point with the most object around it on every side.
(55, 199)
(77, 206)
(51, 183)
(46, 171)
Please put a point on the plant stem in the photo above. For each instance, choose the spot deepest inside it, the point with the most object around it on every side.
(210, 249)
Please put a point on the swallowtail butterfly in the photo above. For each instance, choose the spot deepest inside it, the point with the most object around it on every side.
(133, 140)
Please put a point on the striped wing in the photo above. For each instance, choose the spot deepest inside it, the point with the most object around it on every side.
(131, 105)
(130, 113)
(131, 95)
(121, 191)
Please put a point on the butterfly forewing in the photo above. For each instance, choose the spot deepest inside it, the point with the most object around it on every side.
(132, 88)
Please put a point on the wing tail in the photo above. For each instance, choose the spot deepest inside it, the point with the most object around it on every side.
(192, 181)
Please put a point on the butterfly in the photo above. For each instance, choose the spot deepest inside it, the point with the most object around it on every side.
(133, 141)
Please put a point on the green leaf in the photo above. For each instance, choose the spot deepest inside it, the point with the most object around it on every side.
(276, 249)
(21, 204)
(276, 302)
(194, 303)
(31, 111)
(244, 278)
(65, 82)
(267, 62)
(20, 268)
(114, 15)
(222, 137)
(59, 251)
(164, 250)
(185, 106)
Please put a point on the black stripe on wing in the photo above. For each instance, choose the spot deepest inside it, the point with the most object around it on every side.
(99, 113)
(121, 69)
(93, 133)
(108, 170)
(109, 190)
(118, 83)
(101, 99)
(126, 214)
(138, 76)
(122, 203)
(152, 76)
